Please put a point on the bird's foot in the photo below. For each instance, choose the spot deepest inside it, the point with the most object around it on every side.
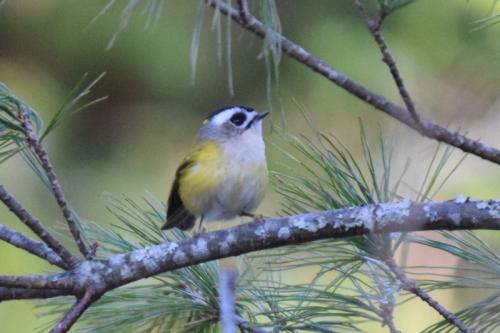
(255, 217)
(200, 230)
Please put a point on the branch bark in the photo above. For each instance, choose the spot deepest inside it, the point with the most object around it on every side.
(101, 276)
(75, 312)
(29, 245)
(34, 142)
(409, 285)
(7, 294)
(227, 303)
(433, 131)
(25, 217)
(388, 59)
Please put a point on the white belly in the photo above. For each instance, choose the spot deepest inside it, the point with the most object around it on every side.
(243, 181)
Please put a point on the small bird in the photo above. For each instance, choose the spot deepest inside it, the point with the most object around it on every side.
(225, 175)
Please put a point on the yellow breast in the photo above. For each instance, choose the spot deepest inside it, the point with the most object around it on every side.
(198, 181)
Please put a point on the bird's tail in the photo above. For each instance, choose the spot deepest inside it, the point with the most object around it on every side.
(181, 219)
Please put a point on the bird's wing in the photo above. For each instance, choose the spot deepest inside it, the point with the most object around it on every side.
(177, 214)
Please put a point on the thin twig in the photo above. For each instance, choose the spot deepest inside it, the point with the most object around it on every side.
(75, 312)
(386, 312)
(29, 245)
(227, 303)
(410, 286)
(25, 217)
(244, 11)
(388, 59)
(35, 143)
(316, 64)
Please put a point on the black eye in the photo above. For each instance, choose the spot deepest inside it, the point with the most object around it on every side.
(238, 118)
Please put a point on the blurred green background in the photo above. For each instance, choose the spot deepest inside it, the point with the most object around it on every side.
(131, 143)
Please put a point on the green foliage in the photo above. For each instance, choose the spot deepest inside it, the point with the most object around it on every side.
(479, 267)
(12, 135)
(487, 22)
(151, 11)
(74, 102)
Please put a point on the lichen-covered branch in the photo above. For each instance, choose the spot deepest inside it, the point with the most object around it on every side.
(410, 285)
(100, 276)
(34, 142)
(29, 245)
(23, 215)
(75, 312)
(295, 51)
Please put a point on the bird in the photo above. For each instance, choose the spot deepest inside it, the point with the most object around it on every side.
(225, 174)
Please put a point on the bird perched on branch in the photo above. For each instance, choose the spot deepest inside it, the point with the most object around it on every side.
(225, 175)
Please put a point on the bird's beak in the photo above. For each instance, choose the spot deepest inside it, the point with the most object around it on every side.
(261, 115)
(257, 118)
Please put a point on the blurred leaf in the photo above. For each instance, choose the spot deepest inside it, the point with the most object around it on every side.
(392, 5)
(195, 41)
(486, 22)
(151, 11)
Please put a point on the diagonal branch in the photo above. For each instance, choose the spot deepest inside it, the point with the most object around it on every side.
(25, 217)
(29, 245)
(433, 131)
(374, 27)
(35, 143)
(244, 11)
(409, 285)
(75, 312)
(386, 312)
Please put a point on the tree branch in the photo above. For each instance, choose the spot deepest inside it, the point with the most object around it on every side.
(388, 59)
(29, 245)
(409, 285)
(244, 11)
(35, 143)
(25, 217)
(378, 101)
(100, 276)
(227, 306)
(7, 294)
(59, 281)
(75, 312)
(386, 312)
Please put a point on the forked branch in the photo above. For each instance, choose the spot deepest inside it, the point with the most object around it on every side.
(35, 144)
(100, 276)
(39, 249)
(25, 217)
(410, 286)
(374, 26)
(75, 312)
(295, 51)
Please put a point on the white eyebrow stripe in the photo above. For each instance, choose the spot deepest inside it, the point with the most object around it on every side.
(224, 116)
